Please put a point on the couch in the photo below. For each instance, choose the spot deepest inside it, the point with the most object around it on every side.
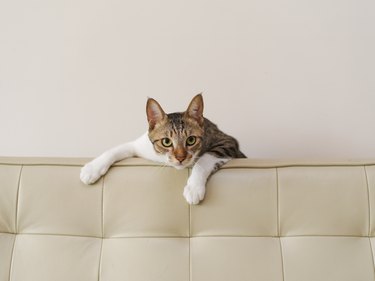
(260, 220)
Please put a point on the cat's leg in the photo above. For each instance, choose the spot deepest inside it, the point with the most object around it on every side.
(196, 185)
(93, 170)
(141, 147)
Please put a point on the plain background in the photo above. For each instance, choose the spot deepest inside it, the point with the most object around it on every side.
(288, 79)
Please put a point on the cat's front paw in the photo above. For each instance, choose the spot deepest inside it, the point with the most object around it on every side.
(91, 172)
(194, 193)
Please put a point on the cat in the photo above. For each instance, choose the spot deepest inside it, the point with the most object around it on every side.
(180, 140)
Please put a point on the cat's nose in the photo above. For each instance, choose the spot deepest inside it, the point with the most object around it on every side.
(180, 157)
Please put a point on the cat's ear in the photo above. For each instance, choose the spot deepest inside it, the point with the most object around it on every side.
(195, 109)
(154, 112)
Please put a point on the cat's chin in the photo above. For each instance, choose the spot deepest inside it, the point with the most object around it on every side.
(180, 166)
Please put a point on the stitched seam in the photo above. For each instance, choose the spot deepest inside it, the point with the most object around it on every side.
(102, 211)
(372, 254)
(282, 260)
(62, 235)
(278, 223)
(190, 263)
(18, 197)
(99, 237)
(278, 202)
(369, 218)
(185, 237)
(368, 202)
(102, 229)
(12, 258)
(270, 236)
(100, 259)
(16, 223)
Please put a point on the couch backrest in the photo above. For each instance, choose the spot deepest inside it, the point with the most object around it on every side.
(259, 221)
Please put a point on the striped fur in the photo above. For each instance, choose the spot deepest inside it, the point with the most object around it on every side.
(178, 127)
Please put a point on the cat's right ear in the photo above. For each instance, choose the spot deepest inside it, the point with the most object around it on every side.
(154, 112)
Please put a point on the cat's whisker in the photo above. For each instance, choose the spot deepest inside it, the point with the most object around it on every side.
(159, 168)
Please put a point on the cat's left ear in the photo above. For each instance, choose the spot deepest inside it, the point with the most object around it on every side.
(195, 109)
(154, 112)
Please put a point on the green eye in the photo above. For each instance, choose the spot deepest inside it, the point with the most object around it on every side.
(166, 142)
(191, 140)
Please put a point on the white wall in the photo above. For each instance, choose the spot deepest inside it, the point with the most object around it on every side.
(289, 79)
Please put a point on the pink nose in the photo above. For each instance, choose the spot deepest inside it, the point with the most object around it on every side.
(180, 157)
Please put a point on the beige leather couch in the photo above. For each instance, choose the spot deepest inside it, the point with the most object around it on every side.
(260, 221)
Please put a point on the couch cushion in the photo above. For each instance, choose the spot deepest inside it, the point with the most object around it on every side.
(259, 221)
(323, 201)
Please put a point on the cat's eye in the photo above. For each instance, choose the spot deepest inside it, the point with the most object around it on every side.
(166, 142)
(191, 140)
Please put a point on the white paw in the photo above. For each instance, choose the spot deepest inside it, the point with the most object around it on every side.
(194, 193)
(91, 172)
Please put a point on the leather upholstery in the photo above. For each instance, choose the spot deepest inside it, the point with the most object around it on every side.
(259, 221)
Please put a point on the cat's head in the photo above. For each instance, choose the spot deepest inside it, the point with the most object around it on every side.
(178, 136)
